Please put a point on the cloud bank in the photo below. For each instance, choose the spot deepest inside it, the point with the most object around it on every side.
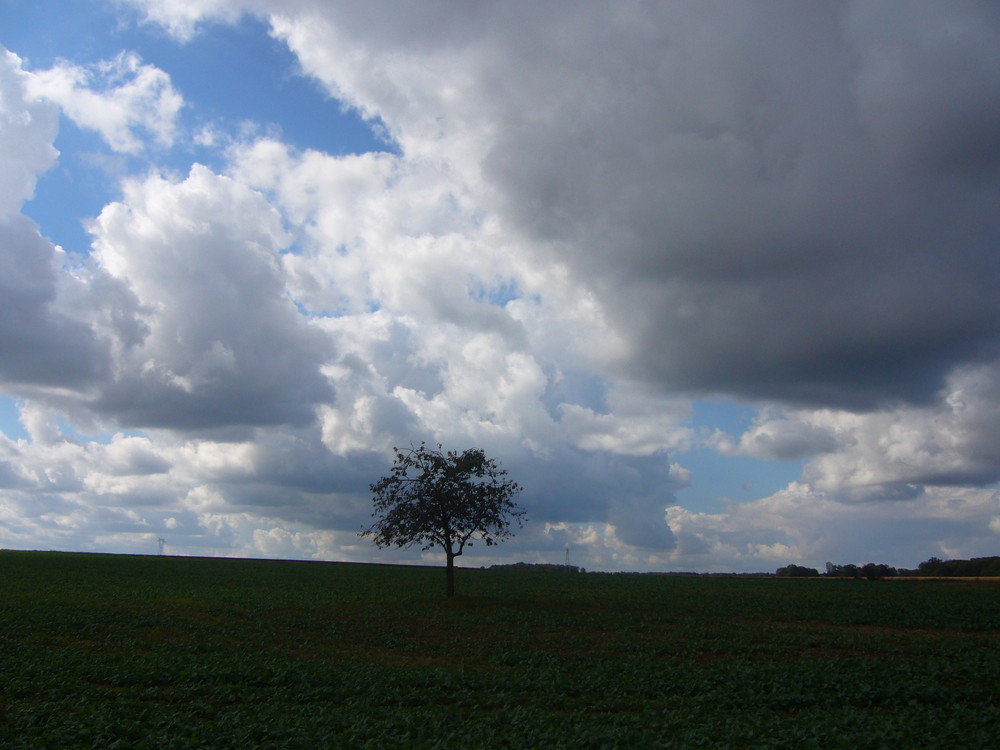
(588, 221)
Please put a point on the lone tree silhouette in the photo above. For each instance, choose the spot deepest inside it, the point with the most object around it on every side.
(443, 499)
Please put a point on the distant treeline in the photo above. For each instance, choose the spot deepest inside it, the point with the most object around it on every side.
(542, 567)
(977, 567)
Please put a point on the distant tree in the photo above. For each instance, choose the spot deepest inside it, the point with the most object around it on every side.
(871, 571)
(443, 499)
(796, 571)
(844, 571)
(875, 572)
(990, 567)
(931, 567)
(974, 568)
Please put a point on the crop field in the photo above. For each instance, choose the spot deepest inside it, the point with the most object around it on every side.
(161, 652)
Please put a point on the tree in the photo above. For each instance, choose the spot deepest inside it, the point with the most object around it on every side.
(876, 572)
(931, 567)
(443, 499)
(796, 571)
(844, 571)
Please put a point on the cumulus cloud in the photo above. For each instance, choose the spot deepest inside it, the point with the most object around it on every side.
(184, 17)
(41, 345)
(207, 496)
(810, 527)
(777, 437)
(888, 454)
(224, 344)
(115, 97)
(28, 130)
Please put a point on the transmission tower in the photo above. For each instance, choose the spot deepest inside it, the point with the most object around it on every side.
(161, 541)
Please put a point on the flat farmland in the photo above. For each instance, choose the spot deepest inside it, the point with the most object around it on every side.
(165, 652)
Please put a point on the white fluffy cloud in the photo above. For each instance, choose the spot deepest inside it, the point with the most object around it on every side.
(115, 98)
(890, 453)
(223, 344)
(27, 131)
(183, 17)
(897, 452)
(813, 528)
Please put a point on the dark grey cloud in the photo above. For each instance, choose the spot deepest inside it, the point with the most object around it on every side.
(792, 201)
(39, 345)
(628, 492)
(301, 462)
(10, 477)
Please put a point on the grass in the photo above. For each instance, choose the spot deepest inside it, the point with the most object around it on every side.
(116, 651)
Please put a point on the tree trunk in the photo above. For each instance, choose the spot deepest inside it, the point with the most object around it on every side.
(449, 573)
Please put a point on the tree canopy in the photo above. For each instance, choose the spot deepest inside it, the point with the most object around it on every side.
(438, 498)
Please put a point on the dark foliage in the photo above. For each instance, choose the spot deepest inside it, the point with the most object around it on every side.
(103, 651)
(443, 499)
(796, 571)
(977, 567)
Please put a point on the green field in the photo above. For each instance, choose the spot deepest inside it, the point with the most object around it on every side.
(115, 651)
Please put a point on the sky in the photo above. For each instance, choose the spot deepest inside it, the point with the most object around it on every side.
(717, 283)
